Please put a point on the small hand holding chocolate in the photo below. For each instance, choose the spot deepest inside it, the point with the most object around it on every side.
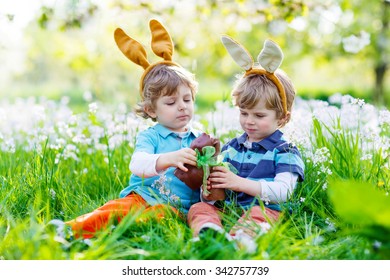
(197, 175)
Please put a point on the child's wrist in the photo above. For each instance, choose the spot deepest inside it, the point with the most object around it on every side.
(241, 183)
(164, 161)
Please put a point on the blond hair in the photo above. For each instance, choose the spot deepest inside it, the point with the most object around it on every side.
(249, 90)
(163, 80)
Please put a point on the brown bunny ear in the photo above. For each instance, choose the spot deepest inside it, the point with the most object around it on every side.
(161, 41)
(131, 48)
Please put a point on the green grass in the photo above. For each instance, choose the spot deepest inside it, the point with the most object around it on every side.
(35, 189)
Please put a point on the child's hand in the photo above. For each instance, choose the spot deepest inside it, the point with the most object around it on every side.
(177, 159)
(184, 156)
(223, 178)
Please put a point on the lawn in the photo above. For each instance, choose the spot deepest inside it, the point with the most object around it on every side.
(58, 164)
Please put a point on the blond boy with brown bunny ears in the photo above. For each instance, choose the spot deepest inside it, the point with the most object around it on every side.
(268, 167)
(167, 96)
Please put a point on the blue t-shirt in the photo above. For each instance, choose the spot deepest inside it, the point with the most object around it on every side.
(263, 160)
(165, 188)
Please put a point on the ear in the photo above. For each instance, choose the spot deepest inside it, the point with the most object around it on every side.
(161, 41)
(239, 54)
(271, 56)
(284, 119)
(131, 48)
(150, 111)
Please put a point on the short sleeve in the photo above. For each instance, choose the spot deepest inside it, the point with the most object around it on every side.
(289, 160)
(146, 142)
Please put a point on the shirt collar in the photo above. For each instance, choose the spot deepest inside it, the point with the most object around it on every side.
(269, 143)
(165, 132)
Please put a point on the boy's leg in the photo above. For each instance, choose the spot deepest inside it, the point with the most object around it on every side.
(252, 223)
(255, 221)
(203, 215)
(88, 224)
(158, 212)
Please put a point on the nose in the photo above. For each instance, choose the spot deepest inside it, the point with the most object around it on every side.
(182, 106)
(249, 120)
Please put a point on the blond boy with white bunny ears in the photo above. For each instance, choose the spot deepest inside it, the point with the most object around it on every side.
(268, 166)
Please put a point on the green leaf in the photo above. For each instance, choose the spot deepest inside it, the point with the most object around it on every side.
(359, 203)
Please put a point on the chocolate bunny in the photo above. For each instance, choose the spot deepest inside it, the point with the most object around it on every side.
(193, 178)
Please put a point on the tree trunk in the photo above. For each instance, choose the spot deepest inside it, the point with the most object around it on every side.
(379, 92)
(382, 62)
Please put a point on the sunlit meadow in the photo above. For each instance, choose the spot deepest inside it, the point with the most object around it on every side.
(58, 164)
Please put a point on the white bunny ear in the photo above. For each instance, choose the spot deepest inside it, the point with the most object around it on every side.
(271, 56)
(239, 54)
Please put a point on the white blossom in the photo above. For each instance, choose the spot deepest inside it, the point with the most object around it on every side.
(330, 226)
(52, 193)
(354, 44)
(87, 96)
(377, 244)
(93, 107)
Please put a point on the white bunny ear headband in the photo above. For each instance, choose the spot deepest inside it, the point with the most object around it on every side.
(162, 46)
(270, 58)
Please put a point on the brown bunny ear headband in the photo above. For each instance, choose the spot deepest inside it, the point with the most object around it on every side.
(270, 58)
(162, 46)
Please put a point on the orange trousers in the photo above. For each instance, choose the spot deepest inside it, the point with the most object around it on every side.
(88, 225)
(202, 213)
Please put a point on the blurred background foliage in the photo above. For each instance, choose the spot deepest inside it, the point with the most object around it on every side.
(66, 47)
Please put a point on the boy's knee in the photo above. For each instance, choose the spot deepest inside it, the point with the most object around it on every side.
(264, 215)
(201, 207)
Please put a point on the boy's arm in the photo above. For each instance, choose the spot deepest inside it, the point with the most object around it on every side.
(276, 191)
(144, 158)
(280, 189)
(176, 159)
(143, 164)
(271, 191)
(147, 165)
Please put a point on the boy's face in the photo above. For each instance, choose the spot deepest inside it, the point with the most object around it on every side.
(176, 111)
(258, 122)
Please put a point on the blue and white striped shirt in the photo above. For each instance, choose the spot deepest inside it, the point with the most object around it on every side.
(262, 161)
